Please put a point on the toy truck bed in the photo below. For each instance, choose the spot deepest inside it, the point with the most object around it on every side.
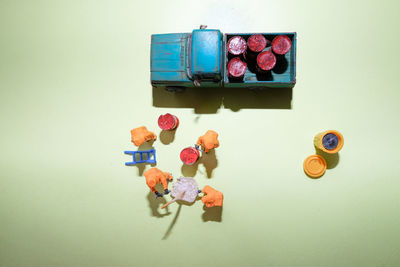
(282, 76)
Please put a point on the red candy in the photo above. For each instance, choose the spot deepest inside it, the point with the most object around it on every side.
(256, 43)
(266, 60)
(236, 45)
(168, 122)
(189, 155)
(236, 68)
(281, 44)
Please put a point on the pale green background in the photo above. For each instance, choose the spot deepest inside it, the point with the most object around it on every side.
(74, 79)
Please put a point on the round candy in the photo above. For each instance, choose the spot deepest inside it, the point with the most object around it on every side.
(168, 122)
(256, 43)
(281, 44)
(236, 45)
(236, 68)
(189, 155)
(266, 60)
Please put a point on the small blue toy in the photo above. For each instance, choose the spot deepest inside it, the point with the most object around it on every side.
(149, 158)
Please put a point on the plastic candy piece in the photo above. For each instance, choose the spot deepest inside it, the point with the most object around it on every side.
(281, 44)
(208, 141)
(141, 135)
(266, 60)
(212, 197)
(168, 122)
(314, 166)
(329, 141)
(185, 188)
(149, 158)
(236, 45)
(155, 176)
(189, 155)
(256, 43)
(236, 68)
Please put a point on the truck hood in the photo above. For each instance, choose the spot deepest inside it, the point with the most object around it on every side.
(168, 57)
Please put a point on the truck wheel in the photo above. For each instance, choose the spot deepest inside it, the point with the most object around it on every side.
(175, 89)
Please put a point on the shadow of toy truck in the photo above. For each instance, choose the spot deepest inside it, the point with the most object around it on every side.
(200, 59)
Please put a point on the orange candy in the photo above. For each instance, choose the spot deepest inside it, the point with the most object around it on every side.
(314, 166)
(141, 135)
(155, 176)
(212, 197)
(208, 141)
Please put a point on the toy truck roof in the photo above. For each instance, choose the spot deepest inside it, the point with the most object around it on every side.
(206, 54)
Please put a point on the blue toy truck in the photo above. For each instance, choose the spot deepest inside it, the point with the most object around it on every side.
(200, 59)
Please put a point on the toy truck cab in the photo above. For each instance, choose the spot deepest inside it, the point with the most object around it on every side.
(200, 59)
(181, 60)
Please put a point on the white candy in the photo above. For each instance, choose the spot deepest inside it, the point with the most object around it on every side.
(187, 185)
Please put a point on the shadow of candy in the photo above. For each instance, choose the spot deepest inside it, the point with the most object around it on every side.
(332, 160)
(167, 137)
(281, 64)
(189, 170)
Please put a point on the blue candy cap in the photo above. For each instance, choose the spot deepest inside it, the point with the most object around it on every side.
(330, 141)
